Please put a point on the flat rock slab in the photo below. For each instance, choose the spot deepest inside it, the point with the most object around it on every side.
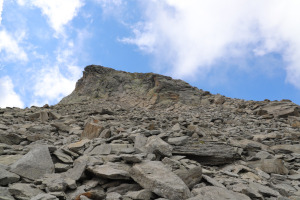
(155, 176)
(109, 171)
(35, 164)
(23, 191)
(208, 154)
(286, 148)
(216, 193)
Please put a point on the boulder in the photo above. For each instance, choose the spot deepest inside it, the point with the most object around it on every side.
(92, 130)
(35, 164)
(159, 147)
(155, 176)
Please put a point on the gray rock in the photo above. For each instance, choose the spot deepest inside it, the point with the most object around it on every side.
(80, 146)
(61, 127)
(124, 188)
(44, 116)
(142, 194)
(106, 133)
(208, 154)
(159, 147)
(153, 175)
(216, 193)
(270, 166)
(264, 190)
(7, 177)
(213, 182)
(109, 171)
(23, 191)
(5, 194)
(78, 169)
(35, 164)
(190, 177)
(122, 148)
(113, 196)
(178, 140)
(62, 156)
(103, 149)
(140, 142)
(286, 148)
(92, 130)
(54, 183)
(136, 158)
(10, 138)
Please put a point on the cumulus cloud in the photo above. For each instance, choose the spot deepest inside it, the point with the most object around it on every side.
(193, 36)
(9, 97)
(59, 13)
(52, 84)
(1, 9)
(55, 81)
(10, 49)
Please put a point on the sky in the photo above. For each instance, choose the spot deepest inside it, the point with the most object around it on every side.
(246, 49)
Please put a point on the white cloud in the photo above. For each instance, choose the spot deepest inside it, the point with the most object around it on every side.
(10, 49)
(58, 12)
(1, 9)
(52, 84)
(191, 36)
(57, 80)
(9, 98)
(112, 7)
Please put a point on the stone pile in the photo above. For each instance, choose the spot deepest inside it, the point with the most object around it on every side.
(113, 146)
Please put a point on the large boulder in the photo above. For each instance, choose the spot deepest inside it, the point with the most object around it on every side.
(35, 164)
(155, 176)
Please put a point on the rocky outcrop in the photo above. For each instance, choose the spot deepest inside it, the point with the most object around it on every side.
(135, 89)
(113, 139)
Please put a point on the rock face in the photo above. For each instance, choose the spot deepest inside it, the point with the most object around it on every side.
(129, 136)
(134, 88)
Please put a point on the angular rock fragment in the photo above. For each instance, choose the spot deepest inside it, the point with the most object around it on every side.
(286, 148)
(23, 191)
(144, 194)
(5, 194)
(212, 192)
(59, 153)
(178, 140)
(7, 177)
(91, 130)
(159, 147)
(270, 166)
(208, 154)
(190, 177)
(109, 172)
(44, 197)
(153, 175)
(35, 164)
(103, 149)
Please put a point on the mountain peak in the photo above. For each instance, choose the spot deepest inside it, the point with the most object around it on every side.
(144, 89)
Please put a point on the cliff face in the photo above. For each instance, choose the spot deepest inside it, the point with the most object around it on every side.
(144, 89)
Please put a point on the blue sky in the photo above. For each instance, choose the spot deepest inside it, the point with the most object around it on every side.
(248, 49)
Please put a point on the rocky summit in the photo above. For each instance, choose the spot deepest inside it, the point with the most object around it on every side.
(132, 136)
